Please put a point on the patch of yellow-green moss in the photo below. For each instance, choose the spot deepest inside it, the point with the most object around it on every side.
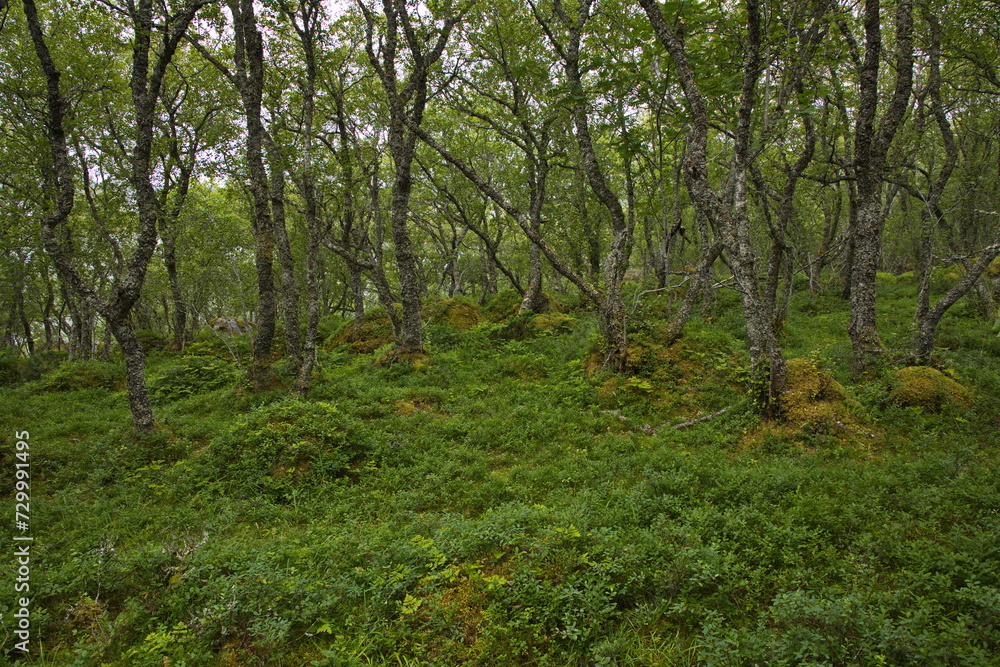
(507, 303)
(885, 278)
(553, 321)
(416, 359)
(818, 415)
(367, 336)
(460, 314)
(930, 389)
(813, 400)
(993, 270)
(413, 406)
(809, 392)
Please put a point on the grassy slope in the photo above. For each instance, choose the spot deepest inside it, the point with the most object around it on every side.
(501, 507)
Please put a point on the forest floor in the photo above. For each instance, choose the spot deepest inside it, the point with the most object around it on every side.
(509, 503)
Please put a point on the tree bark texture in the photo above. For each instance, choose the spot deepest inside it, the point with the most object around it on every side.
(249, 58)
(871, 147)
(145, 84)
(289, 285)
(731, 222)
(407, 100)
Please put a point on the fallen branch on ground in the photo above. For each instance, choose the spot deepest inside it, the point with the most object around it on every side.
(703, 419)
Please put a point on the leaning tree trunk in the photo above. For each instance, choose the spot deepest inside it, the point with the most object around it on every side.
(927, 323)
(145, 84)
(731, 222)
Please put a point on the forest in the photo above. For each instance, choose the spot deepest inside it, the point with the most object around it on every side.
(500, 332)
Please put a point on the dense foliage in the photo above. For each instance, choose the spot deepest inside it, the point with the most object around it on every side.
(548, 332)
(500, 505)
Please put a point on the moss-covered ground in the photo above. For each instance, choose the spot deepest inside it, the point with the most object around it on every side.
(509, 503)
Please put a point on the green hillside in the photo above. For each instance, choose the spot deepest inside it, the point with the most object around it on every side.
(505, 502)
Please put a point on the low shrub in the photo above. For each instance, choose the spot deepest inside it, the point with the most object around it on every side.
(150, 340)
(73, 375)
(15, 369)
(193, 375)
(284, 446)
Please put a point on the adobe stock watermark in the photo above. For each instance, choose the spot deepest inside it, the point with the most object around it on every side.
(22, 542)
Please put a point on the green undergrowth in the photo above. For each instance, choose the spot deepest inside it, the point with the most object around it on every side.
(510, 503)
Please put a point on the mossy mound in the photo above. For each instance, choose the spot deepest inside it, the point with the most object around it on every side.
(281, 447)
(503, 305)
(930, 389)
(150, 340)
(885, 278)
(553, 321)
(461, 314)
(814, 402)
(993, 270)
(366, 337)
(525, 326)
(810, 394)
(506, 304)
(416, 359)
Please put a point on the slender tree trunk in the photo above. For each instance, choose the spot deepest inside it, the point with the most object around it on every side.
(927, 323)
(356, 280)
(986, 297)
(831, 225)
(307, 36)
(135, 373)
(250, 77)
(106, 341)
(454, 275)
(731, 222)
(289, 285)
(612, 308)
(50, 302)
(9, 339)
(29, 339)
(407, 101)
(176, 295)
(870, 152)
(707, 290)
(411, 334)
(591, 247)
(702, 275)
(489, 272)
(382, 288)
(534, 299)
